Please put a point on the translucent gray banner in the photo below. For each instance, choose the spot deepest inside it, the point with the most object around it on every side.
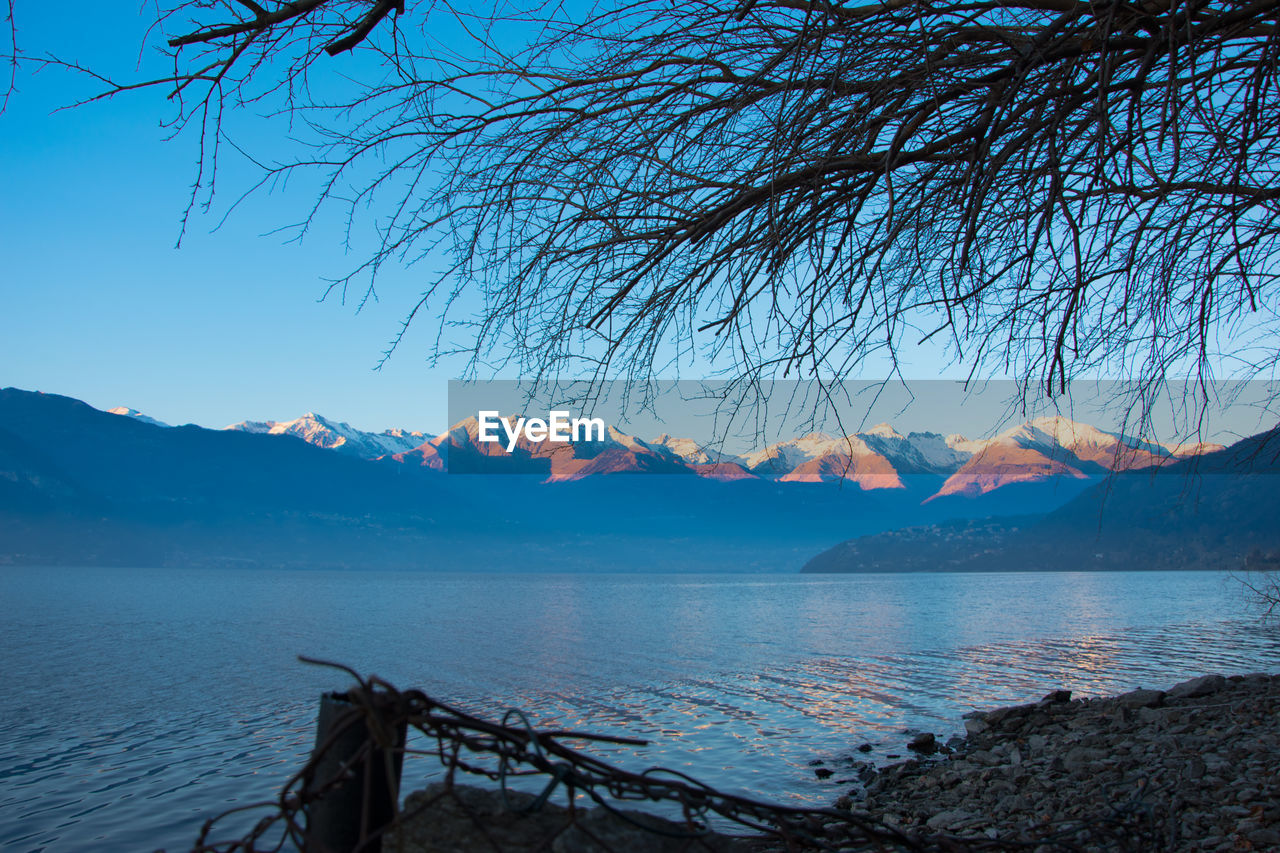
(736, 430)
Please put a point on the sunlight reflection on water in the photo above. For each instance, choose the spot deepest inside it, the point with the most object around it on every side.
(144, 701)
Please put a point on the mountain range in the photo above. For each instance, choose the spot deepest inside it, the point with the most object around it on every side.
(1212, 510)
(1033, 452)
(88, 487)
(336, 435)
(83, 486)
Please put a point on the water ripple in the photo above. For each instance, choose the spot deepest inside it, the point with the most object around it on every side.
(156, 709)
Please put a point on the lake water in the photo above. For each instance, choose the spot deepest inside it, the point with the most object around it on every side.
(140, 702)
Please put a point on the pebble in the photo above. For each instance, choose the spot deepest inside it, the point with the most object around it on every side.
(925, 744)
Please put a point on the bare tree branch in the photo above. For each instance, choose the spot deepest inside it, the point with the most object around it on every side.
(10, 58)
(1053, 188)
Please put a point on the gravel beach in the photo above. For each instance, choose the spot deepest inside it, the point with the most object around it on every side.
(1190, 768)
(1198, 762)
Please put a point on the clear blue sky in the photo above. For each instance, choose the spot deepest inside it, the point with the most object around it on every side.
(99, 304)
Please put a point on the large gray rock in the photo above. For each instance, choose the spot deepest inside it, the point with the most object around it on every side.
(1082, 757)
(950, 819)
(1141, 699)
(924, 743)
(1205, 685)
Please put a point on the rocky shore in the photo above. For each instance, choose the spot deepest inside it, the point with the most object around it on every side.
(1197, 766)
(1192, 768)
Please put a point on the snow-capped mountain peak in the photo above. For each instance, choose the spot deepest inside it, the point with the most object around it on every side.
(136, 415)
(884, 431)
(694, 452)
(630, 442)
(877, 458)
(338, 435)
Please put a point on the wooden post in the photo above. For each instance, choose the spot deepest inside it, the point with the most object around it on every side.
(365, 801)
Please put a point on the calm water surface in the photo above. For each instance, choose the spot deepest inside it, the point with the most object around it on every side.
(139, 702)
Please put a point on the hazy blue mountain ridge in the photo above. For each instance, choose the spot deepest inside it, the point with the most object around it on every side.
(1212, 511)
(78, 485)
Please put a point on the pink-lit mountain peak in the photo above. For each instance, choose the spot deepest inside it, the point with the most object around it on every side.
(616, 453)
(820, 458)
(1051, 447)
(1113, 451)
(867, 470)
